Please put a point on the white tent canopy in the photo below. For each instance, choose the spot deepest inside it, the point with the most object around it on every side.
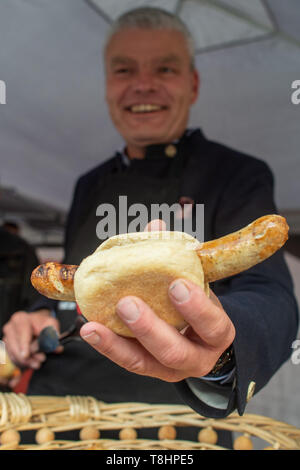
(55, 125)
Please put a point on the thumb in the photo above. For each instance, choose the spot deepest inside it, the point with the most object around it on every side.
(39, 322)
(47, 342)
(46, 329)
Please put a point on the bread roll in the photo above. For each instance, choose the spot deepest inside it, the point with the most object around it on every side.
(140, 264)
(144, 264)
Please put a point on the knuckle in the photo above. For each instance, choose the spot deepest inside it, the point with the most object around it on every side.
(136, 365)
(53, 322)
(17, 316)
(205, 369)
(107, 349)
(204, 366)
(231, 333)
(219, 331)
(144, 329)
(6, 329)
(174, 376)
(174, 357)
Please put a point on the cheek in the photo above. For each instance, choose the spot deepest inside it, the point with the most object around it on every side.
(181, 106)
(114, 93)
(182, 96)
(111, 100)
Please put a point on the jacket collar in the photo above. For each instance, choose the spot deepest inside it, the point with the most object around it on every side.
(167, 150)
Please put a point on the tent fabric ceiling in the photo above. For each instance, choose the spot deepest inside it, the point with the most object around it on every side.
(111, 9)
(55, 125)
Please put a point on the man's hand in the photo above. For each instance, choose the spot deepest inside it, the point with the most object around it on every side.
(158, 349)
(20, 337)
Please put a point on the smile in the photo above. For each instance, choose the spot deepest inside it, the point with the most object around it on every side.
(145, 108)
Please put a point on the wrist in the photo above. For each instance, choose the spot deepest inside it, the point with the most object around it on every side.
(224, 364)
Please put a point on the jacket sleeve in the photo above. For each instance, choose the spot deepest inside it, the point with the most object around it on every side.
(260, 303)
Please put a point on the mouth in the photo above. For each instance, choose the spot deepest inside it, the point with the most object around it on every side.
(145, 108)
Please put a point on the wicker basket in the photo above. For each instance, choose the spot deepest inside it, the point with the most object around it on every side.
(54, 415)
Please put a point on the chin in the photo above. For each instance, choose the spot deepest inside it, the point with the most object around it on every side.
(149, 138)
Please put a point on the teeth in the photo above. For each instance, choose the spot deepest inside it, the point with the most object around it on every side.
(145, 108)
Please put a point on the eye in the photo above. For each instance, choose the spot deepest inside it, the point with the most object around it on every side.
(122, 70)
(166, 70)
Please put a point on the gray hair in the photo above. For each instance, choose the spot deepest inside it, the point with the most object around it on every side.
(155, 19)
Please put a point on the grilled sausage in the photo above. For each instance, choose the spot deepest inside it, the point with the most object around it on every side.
(220, 258)
(234, 253)
(55, 280)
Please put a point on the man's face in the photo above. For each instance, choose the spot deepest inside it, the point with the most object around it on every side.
(150, 85)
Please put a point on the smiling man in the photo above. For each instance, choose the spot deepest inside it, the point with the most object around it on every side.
(228, 352)
(151, 84)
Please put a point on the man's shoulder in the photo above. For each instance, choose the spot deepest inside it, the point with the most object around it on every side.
(97, 171)
(92, 175)
(236, 156)
(234, 159)
(226, 158)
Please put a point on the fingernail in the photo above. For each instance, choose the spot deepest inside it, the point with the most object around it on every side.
(128, 310)
(92, 338)
(179, 292)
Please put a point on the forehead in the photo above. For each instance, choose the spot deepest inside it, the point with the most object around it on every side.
(145, 44)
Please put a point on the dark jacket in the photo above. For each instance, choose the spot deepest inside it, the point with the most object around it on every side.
(17, 260)
(235, 189)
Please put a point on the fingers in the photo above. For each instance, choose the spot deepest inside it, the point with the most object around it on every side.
(126, 352)
(34, 349)
(205, 315)
(17, 337)
(20, 335)
(156, 224)
(158, 349)
(164, 342)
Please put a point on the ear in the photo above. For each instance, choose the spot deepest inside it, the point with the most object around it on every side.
(195, 85)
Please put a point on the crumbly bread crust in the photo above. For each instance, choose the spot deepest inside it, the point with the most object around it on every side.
(139, 264)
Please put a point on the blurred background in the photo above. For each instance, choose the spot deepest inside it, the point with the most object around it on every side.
(54, 124)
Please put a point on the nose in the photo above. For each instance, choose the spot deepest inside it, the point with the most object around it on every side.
(144, 82)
